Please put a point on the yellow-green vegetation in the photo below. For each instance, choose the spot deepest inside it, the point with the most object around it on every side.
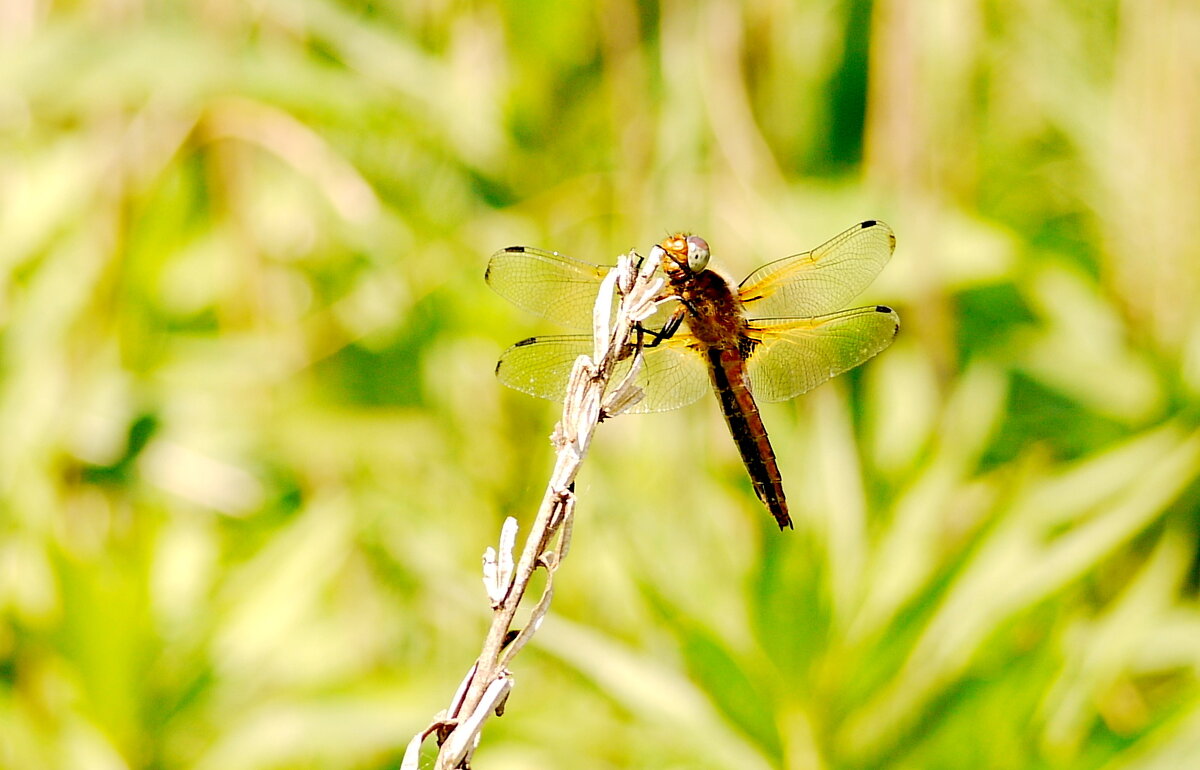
(251, 448)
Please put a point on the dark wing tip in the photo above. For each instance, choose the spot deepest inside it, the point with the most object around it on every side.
(522, 343)
(876, 223)
(884, 309)
(511, 250)
(888, 311)
(487, 274)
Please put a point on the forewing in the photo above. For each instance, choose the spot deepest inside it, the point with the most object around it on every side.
(672, 374)
(553, 286)
(795, 355)
(822, 280)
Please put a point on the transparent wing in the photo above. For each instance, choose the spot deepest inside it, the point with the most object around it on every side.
(673, 374)
(553, 286)
(822, 280)
(795, 355)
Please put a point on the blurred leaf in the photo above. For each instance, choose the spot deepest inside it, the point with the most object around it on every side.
(738, 687)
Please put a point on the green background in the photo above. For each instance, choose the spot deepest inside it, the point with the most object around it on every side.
(251, 450)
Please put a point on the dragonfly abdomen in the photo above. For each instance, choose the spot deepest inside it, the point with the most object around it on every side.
(728, 371)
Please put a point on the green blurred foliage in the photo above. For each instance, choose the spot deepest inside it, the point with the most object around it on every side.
(252, 449)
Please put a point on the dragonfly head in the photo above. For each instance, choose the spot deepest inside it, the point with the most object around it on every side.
(683, 251)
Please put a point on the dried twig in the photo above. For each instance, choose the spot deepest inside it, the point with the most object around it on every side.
(588, 400)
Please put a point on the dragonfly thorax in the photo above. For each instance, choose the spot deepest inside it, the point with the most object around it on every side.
(712, 309)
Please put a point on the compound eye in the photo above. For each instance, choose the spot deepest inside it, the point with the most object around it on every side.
(697, 253)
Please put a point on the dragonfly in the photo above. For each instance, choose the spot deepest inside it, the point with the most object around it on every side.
(779, 333)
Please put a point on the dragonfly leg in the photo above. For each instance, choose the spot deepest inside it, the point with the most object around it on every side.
(665, 333)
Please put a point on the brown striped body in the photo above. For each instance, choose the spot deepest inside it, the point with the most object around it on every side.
(716, 318)
(728, 371)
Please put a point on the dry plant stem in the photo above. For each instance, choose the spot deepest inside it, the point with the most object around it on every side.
(589, 399)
